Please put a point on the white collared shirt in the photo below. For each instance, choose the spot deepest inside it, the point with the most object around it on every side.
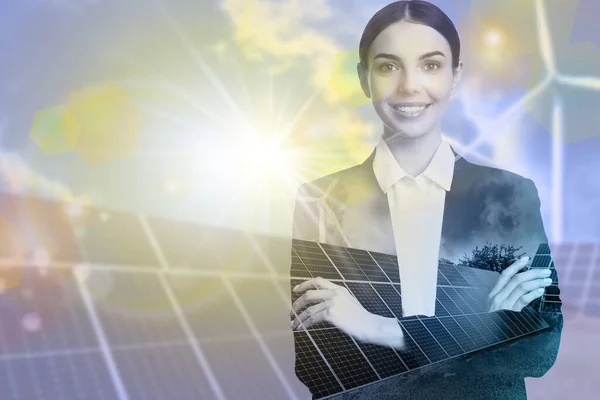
(417, 210)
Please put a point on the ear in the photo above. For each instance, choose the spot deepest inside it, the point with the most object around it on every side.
(363, 76)
(456, 80)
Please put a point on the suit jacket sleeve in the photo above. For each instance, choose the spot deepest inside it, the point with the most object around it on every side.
(534, 355)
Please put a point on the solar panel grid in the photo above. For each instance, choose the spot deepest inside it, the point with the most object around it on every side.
(345, 358)
(197, 295)
(368, 265)
(312, 369)
(384, 360)
(443, 337)
(428, 344)
(369, 299)
(428, 339)
(550, 300)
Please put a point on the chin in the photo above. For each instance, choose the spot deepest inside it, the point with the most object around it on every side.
(407, 131)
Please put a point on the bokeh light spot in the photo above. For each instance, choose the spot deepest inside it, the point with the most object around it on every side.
(54, 130)
(31, 322)
(110, 122)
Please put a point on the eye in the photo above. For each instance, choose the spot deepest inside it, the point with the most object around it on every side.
(387, 67)
(431, 66)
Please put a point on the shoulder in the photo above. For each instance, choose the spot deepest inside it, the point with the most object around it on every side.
(490, 183)
(481, 176)
(333, 184)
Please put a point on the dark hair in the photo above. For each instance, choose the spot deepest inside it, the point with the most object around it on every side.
(415, 11)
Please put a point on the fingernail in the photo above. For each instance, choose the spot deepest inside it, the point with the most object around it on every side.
(547, 280)
(547, 272)
(295, 287)
(525, 258)
(540, 291)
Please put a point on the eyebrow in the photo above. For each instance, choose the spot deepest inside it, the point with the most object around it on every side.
(395, 57)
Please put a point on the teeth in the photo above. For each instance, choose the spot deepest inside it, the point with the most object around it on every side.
(411, 110)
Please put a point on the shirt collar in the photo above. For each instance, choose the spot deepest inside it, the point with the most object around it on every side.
(387, 170)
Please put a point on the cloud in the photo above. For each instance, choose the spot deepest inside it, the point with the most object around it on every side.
(283, 37)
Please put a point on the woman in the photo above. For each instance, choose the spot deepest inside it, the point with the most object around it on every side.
(415, 196)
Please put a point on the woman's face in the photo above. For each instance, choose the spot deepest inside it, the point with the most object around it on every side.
(410, 78)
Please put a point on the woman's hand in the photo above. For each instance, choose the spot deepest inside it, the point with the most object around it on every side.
(514, 290)
(328, 302)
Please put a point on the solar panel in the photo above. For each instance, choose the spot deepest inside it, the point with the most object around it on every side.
(550, 300)
(110, 304)
(461, 324)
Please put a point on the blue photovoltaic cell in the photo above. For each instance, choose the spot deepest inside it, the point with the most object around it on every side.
(317, 264)
(412, 355)
(391, 298)
(427, 343)
(471, 331)
(471, 276)
(369, 267)
(441, 279)
(456, 299)
(119, 239)
(447, 302)
(338, 349)
(162, 372)
(440, 310)
(453, 275)
(540, 262)
(383, 359)
(480, 326)
(369, 299)
(312, 369)
(297, 268)
(73, 376)
(503, 324)
(459, 334)
(55, 308)
(444, 338)
(348, 267)
(543, 249)
(496, 329)
(136, 310)
(244, 361)
(208, 307)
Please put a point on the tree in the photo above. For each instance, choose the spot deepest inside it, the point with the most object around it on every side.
(491, 257)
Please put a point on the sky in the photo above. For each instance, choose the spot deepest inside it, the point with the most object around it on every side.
(216, 83)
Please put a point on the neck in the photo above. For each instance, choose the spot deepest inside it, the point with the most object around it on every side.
(413, 154)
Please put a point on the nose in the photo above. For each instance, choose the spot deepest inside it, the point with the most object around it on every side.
(409, 83)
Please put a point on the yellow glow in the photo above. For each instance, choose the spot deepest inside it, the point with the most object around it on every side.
(171, 187)
(494, 38)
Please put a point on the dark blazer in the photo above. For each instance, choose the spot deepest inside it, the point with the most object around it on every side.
(484, 204)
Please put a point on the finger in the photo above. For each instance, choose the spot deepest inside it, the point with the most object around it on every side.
(526, 287)
(527, 298)
(304, 315)
(507, 274)
(520, 282)
(310, 297)
(314, 283)
(314, 319)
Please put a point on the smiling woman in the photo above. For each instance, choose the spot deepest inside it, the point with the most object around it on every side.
(416, 198)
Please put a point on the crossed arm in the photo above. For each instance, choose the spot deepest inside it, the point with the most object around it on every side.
(324, 301)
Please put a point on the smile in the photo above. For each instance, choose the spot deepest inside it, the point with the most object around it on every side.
(410, 111)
